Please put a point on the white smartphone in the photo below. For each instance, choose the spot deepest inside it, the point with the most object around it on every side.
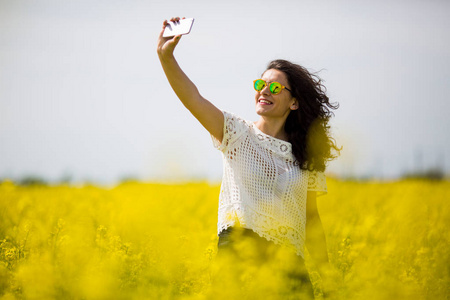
(181, 27)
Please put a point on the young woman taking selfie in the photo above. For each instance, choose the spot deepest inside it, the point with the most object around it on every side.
(274, 167)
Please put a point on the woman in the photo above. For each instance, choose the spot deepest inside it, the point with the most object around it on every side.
(273, 168)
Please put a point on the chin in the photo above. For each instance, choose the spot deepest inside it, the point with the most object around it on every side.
(262, 112)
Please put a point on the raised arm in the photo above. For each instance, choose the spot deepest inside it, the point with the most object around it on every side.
(206, 113)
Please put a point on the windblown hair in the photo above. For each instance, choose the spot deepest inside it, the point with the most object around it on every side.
(307, 127)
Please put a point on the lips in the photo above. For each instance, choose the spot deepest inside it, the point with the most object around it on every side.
(263, 101)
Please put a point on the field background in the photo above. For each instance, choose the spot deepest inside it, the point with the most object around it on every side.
(85, 106)
(386, 240)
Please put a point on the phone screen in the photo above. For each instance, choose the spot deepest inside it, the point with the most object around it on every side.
(182, 27)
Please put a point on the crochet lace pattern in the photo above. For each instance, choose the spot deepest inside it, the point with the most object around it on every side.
(263, 188)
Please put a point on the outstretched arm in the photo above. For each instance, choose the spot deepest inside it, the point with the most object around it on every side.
(206, 113)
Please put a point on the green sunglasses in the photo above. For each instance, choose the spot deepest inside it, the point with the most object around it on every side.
(274, 87)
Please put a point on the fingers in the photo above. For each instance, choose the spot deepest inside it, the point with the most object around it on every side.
(162, 30)
(175, 19)
(170, 42)
(176, 39)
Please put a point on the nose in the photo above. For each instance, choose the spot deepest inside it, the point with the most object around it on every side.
(265, 90)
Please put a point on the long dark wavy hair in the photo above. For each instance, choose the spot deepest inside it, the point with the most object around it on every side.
(307, 127)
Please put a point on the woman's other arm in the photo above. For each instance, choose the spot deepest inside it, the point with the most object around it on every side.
(316, 242)
(315, 236)
(206, 113)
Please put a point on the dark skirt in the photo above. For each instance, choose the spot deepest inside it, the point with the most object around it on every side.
(262, 251)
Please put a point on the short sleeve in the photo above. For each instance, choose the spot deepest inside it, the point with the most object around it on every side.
(233, 128)
(317, 182)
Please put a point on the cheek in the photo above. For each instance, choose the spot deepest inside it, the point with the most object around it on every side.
(256, 97)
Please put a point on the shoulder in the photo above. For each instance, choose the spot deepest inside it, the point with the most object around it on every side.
(234, 124)
(234, 127)
(233, 120)
(317, 182)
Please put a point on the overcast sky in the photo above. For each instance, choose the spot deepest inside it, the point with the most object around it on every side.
(82, 92)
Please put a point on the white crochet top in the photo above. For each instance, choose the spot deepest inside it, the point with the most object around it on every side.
(263, 187)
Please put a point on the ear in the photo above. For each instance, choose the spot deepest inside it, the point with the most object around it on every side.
(294, 105)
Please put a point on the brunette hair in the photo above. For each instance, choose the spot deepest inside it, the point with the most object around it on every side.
(307, 127)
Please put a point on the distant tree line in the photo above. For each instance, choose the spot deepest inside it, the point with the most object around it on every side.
(32, 180)
(435, 174)
(431, 174)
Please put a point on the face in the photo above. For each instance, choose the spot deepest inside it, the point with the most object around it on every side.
(275, 106)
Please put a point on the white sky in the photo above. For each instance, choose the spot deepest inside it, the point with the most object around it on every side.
(82, 92)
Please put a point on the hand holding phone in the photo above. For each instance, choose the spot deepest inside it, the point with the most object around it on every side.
(170, 36)
(174, 28)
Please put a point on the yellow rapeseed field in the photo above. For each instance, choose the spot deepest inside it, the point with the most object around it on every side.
(386, 240)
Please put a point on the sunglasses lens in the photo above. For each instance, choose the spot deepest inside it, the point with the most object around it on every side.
(259, 84)
(275, 88)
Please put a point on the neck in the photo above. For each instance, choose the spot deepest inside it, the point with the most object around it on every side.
(272, 127)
